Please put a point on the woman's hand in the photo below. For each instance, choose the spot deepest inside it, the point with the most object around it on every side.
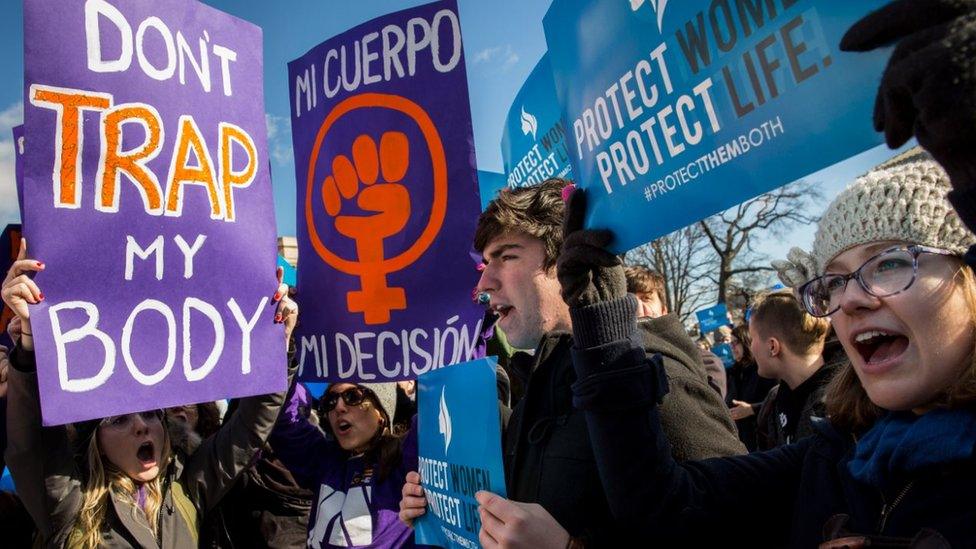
(19, 291)
(287, 310)
(412, 502)
(741, 410)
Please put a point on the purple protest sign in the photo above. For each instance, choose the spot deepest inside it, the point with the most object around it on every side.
(18, 132)
(149, 198)
(387, 199)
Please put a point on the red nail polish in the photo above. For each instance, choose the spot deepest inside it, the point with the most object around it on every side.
(40, 264)
(278, 317)
(277, 296)
(40, 296)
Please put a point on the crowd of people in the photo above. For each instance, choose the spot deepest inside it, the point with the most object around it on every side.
(848, 418)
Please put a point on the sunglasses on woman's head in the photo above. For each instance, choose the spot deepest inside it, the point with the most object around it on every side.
(124, 420)
(353, 396)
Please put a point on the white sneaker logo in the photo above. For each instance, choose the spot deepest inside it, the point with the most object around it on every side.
(444, 421)
(656, 5)
(529, 123)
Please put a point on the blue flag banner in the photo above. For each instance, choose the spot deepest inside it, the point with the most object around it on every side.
(489, 183)
(713, 318)
(724, 351)
(459, 438)
(534, 137)
(679, 110)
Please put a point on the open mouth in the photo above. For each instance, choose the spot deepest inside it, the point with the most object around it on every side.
(878, 346)
(501, 310)
(146, 453)
(343, 427)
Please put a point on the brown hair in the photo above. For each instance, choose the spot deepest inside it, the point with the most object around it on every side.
(848, 405)
(741, 332)
(780, 315)
(101, 479)
(536, 211)
(641, 279)
(208, 419)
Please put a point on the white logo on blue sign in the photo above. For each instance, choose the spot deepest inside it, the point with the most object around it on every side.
(444, 421)
(656, 5)
(529, 123)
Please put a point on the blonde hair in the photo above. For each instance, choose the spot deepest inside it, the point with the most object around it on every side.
(104, 479)
(779, 314)
(848, 405)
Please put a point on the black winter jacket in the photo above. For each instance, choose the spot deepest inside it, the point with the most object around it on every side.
(787, 414)
(790, 493)
(743, 383)
(547, 451)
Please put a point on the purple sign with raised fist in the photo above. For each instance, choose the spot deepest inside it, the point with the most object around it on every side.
(149, 199)
(387, 199)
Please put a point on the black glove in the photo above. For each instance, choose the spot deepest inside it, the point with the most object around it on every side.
(929, 85)
(587, 272)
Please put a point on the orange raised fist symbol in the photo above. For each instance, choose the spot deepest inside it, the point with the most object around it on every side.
(372, 175)
(373, 178)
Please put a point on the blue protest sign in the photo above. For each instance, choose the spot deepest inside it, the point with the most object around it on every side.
(459, 441)
(534, 138)
(290, 274)
(18, 132)
(712, 318)
(724, 351)
(489, 183)
(678, 110)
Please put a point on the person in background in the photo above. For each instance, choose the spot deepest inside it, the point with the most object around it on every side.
(746, 390)
(788, 344)
(355, 469)
(190, 424)
(406, 403)
(650, 289)
(266, 506)
(722, 335)
(15, 522)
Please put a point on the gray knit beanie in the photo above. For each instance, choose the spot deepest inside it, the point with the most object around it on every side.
(903, 199)
(386, 395)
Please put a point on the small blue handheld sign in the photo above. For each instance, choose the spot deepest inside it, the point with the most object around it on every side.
(460, 452)
(713, 318)
(724, 351)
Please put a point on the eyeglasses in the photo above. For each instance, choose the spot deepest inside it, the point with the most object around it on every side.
(123, 421)
(890, 272)
(353, 396)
